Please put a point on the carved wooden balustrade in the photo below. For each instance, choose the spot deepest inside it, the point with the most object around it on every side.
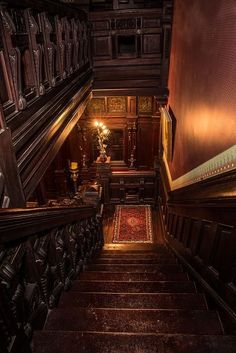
(41, 252)
(45, 81)
(41, 44)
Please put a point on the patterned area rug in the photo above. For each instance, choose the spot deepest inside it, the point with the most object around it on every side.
(132, 224)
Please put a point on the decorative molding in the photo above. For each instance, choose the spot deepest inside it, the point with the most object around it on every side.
(116, 104)
(145, 104)
(96, 106)
(219, 164)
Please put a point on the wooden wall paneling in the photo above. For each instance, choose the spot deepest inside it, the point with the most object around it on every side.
(144, 155)
(195, 236)
(151, 45)
(212, 199)
(135, 39)
(223, 257)
(102, 47)
(156, 134)
(180, 226)
(166, 45)
(169, 220)
(186, 231)
(132, 105)
(206, 241)
(174, 226)
(209, 247)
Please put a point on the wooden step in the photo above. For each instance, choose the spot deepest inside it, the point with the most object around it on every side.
(133, 300)
(80, 342)
(134, 287)
(150, 268)
(132, 276)
(134, 250)
(132, 247)
(114, 261)
(135, 321)
(136, 256)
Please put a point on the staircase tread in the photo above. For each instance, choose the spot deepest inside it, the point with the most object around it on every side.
(138, 286)
(133, 300)
(134, 247)
(135, 320)
(135, 268)
(136, 261)
(133, 276)
(81, 342)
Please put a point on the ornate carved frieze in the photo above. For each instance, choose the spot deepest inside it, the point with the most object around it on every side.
(116, 104)
(145, 104)
(96, 106)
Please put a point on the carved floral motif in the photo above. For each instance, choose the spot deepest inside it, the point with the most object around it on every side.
(96, 106)
(145, 104)
(116, 104)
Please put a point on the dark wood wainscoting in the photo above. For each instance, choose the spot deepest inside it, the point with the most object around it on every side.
(200, 224)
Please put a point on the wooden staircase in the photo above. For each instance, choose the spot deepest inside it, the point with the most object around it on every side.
(133, 301)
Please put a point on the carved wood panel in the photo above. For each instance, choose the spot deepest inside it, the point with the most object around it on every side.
(208, 246)
(135, 43)
(35, 270)
(38, 50)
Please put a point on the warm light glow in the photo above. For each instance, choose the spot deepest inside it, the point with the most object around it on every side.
(74, 165)
(96, 123)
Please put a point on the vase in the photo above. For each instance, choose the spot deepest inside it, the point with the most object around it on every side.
(102, 157)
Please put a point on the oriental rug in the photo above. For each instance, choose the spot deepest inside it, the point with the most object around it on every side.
(132, 224)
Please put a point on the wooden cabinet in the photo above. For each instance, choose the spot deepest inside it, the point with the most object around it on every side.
(133, 187)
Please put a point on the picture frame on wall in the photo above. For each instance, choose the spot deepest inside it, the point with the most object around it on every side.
(166, 133)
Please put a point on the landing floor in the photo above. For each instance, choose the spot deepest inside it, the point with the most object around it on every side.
(108, 229)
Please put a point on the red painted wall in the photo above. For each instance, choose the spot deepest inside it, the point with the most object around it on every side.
(202, 81)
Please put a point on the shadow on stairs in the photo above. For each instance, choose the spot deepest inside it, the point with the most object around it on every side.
(133, 298)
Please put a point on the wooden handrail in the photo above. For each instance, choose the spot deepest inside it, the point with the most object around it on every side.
(18, 223)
